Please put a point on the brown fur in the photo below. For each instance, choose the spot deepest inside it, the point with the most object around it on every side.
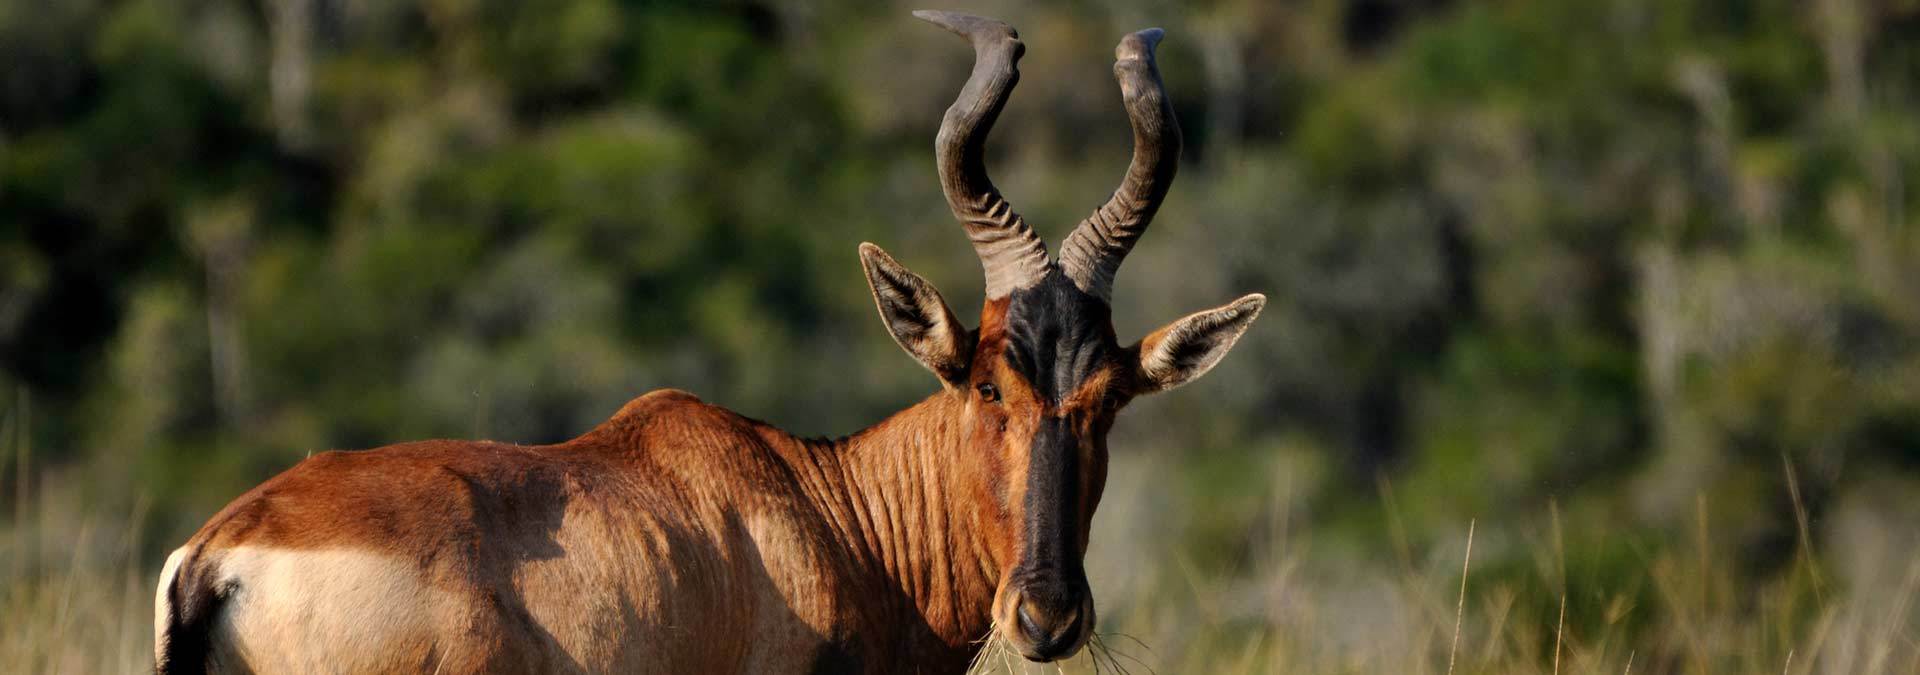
(659, 542)
(676, 537)
(680, 537)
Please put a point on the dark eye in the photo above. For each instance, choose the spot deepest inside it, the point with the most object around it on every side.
(989, 392)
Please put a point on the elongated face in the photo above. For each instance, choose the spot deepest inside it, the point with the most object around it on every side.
(1047, 378)
(1043, 378)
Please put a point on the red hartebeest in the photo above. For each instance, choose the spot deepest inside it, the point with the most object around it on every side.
(679, 537)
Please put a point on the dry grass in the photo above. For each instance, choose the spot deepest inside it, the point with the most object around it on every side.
(78, 592)
(1294, 612)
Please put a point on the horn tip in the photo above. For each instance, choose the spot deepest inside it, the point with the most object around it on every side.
(1138, 45)
(948, 20)
(966, 25)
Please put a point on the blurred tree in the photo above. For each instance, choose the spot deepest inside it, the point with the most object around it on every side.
(1617, 255)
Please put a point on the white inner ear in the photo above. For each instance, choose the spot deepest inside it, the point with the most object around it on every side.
(1188, 348)
(915, 315)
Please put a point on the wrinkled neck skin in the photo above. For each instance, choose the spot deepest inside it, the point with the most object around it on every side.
(911, 521)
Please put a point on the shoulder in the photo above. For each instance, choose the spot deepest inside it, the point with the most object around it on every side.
(674, 414)
(661, 401)
(675, 429)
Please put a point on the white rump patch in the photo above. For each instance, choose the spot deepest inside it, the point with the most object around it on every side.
(163, 605)
(329, 610)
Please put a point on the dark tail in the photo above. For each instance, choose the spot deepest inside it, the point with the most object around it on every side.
(187, 604)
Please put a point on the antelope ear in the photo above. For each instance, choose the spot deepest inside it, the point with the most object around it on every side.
(1186, 349)
(917, 317)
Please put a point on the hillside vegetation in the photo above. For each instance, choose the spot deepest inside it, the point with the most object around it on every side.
(1624, 295)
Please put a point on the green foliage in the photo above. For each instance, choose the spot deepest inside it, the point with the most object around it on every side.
(1647, 267)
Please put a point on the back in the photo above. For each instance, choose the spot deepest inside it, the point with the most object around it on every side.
(606, 553)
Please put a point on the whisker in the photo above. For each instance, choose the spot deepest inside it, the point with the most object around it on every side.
(1137, 641)
(1111, 652)
(1135, 659)
(1097, 649)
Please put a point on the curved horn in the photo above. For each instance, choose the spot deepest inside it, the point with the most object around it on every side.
(1092, 253)
(1010, 253)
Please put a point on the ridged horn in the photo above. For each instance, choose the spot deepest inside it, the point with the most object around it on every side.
(1011, 255)
(1091, 255)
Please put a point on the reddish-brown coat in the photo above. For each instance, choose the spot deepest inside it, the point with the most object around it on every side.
(898, 560)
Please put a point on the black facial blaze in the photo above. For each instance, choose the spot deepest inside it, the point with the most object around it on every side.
(1052, 509)
(1057, 336)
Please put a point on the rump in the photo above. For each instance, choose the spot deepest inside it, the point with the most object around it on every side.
(183, 611)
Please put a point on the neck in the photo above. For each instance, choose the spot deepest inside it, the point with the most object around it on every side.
(894, 495)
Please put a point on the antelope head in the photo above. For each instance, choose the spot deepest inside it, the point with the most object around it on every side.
(1043, 377)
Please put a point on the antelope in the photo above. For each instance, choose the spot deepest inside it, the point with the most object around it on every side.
(681, 537)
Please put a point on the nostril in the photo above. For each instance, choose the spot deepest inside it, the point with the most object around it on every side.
(1031, 628)
(1070, 626)
(1071, 621)
(1050, 635)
